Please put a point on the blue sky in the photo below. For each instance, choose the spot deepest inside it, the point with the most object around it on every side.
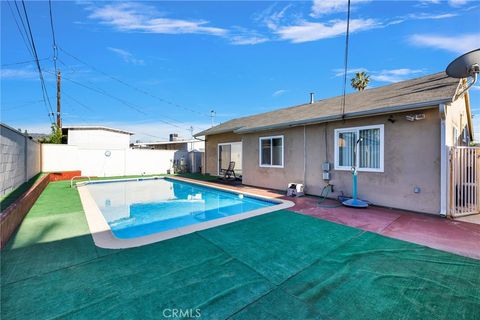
(183, 59)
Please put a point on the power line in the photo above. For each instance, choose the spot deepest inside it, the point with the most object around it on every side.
(30, 49)
(346, 62)
(55, 49)
(122, 101)
(134, 87)
(27, 43)
(137, 108)
(22, 105)
(22, 62)
(78, 102)
(34, 50)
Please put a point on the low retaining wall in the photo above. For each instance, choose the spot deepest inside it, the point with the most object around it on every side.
(67, 175)
(13, 215)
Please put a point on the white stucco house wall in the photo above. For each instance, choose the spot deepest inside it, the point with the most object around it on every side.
(100, 137)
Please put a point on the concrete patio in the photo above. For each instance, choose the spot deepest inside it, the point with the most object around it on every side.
(453, 236)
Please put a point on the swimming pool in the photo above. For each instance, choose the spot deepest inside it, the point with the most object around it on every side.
(141, 208)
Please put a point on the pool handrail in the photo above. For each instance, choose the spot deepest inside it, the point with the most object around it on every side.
(71, 180)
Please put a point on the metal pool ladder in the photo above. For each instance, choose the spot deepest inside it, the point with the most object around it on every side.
(71, 180)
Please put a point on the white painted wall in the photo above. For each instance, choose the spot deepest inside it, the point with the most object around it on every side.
(19, 159)
(59, 157)
(94, 162)
(149, 161)
(33, 159)
(97, 138)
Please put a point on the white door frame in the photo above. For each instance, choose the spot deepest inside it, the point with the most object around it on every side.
(218, 152)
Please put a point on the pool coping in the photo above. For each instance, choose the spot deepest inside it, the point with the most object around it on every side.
(103, 236)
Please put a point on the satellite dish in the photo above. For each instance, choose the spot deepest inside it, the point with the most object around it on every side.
(465, 66)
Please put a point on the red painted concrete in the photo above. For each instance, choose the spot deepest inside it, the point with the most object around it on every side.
(462, 238)
(65, 175)
(458, 237)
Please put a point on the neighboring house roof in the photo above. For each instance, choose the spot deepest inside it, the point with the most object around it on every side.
(96, 128)
(407, 95)
(159, 143)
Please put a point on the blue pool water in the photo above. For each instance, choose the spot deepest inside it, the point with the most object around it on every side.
(139, 208)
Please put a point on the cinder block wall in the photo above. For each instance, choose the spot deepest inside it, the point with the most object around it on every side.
(20, 158)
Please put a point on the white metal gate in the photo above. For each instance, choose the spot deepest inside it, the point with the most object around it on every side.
(464, 181)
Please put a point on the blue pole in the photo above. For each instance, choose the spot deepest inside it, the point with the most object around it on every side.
(354, 184)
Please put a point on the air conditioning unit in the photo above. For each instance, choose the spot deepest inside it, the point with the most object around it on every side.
(295, 190)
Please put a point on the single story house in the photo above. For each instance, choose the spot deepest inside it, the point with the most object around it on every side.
(97, 137)
(402, 158)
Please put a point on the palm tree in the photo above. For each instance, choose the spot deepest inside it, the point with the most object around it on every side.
(360, 81)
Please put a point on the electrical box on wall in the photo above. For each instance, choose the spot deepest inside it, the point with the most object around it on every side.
(326, 166)
(326, 169)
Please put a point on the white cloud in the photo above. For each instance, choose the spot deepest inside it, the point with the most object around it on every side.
(341, 72)
(288, 25)
(324, 7)
(429, 16)
(18, 74)
(126, 56)
(279, 93)
(457, 3)
(430, 1)
(385, 75)
(453, 3)
(243, 36)
(311, 31)
(247, 40)
(457, 44)
(395, 75)
(137, 17)
(270, 17)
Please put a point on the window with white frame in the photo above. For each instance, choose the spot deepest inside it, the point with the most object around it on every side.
(359, 146)
(271, 151)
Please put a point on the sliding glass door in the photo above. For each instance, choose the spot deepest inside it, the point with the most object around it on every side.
(228, 152)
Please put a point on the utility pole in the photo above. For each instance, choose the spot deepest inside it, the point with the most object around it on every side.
(59, 119)
(212, 116)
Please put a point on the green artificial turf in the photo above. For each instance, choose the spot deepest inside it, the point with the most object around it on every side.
(280, 265)
(9, 198)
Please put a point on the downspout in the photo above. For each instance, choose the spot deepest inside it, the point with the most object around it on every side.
(443, 162)
(469, 113)
(305, 157)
